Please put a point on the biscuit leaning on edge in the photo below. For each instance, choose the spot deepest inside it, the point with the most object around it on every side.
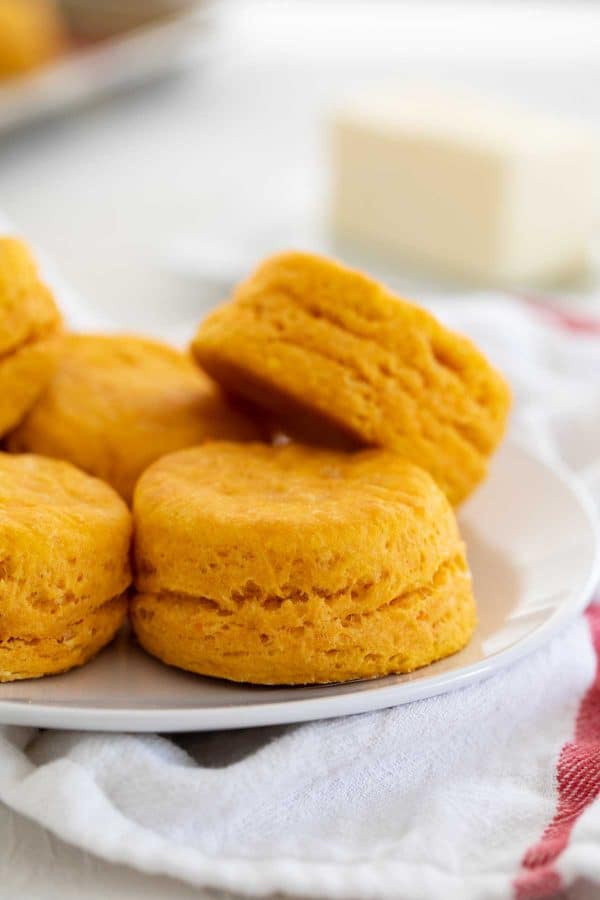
(118, 402)
(340, 360)
(29, 324)
(294, 565)
(64, 566)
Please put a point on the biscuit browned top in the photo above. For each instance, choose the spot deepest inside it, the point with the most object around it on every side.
(227, 521)
(64, 544)
(338, 357)
(118, 402)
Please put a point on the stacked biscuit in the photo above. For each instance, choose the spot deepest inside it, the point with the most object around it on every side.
(293, 482)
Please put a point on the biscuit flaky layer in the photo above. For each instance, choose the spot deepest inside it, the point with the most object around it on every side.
(297, 565)
(337, 358)
(64, 546)
(32, 656)
(116, 403)
(316, 640)
(29, 325)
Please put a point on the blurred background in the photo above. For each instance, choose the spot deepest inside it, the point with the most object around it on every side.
(156, 149)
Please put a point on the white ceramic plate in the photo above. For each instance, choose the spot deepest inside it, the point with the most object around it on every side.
(533, 546)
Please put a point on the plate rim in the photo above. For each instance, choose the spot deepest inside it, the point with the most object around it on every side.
(231, 716)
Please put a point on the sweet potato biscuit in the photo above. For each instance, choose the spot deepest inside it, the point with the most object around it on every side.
(31, 33)
(64, 565)
(116, 403)
(285, 565)
(35, 656)
(341, 360)
(29, 324)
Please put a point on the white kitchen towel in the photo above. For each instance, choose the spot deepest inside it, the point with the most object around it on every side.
(489, 792)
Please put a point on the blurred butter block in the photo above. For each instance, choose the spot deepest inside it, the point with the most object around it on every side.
(463, 186)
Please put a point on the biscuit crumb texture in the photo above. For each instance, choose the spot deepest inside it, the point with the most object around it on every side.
(294, 565)
(342, 361)
(116, 403)
(29, 325)
(64, 565)
(33, 656)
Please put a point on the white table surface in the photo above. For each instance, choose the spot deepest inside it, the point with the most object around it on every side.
(235, 150)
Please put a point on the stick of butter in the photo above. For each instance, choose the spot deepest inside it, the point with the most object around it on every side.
(464, 186)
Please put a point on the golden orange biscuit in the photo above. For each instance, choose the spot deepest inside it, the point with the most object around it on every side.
(29, 325)
(31, 33)
(294, 565)
(36, 656)
(116, 403)
(340, 360)
(64, 566)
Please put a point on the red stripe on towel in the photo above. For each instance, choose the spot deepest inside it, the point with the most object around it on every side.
(578, 781)
(563, 318)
